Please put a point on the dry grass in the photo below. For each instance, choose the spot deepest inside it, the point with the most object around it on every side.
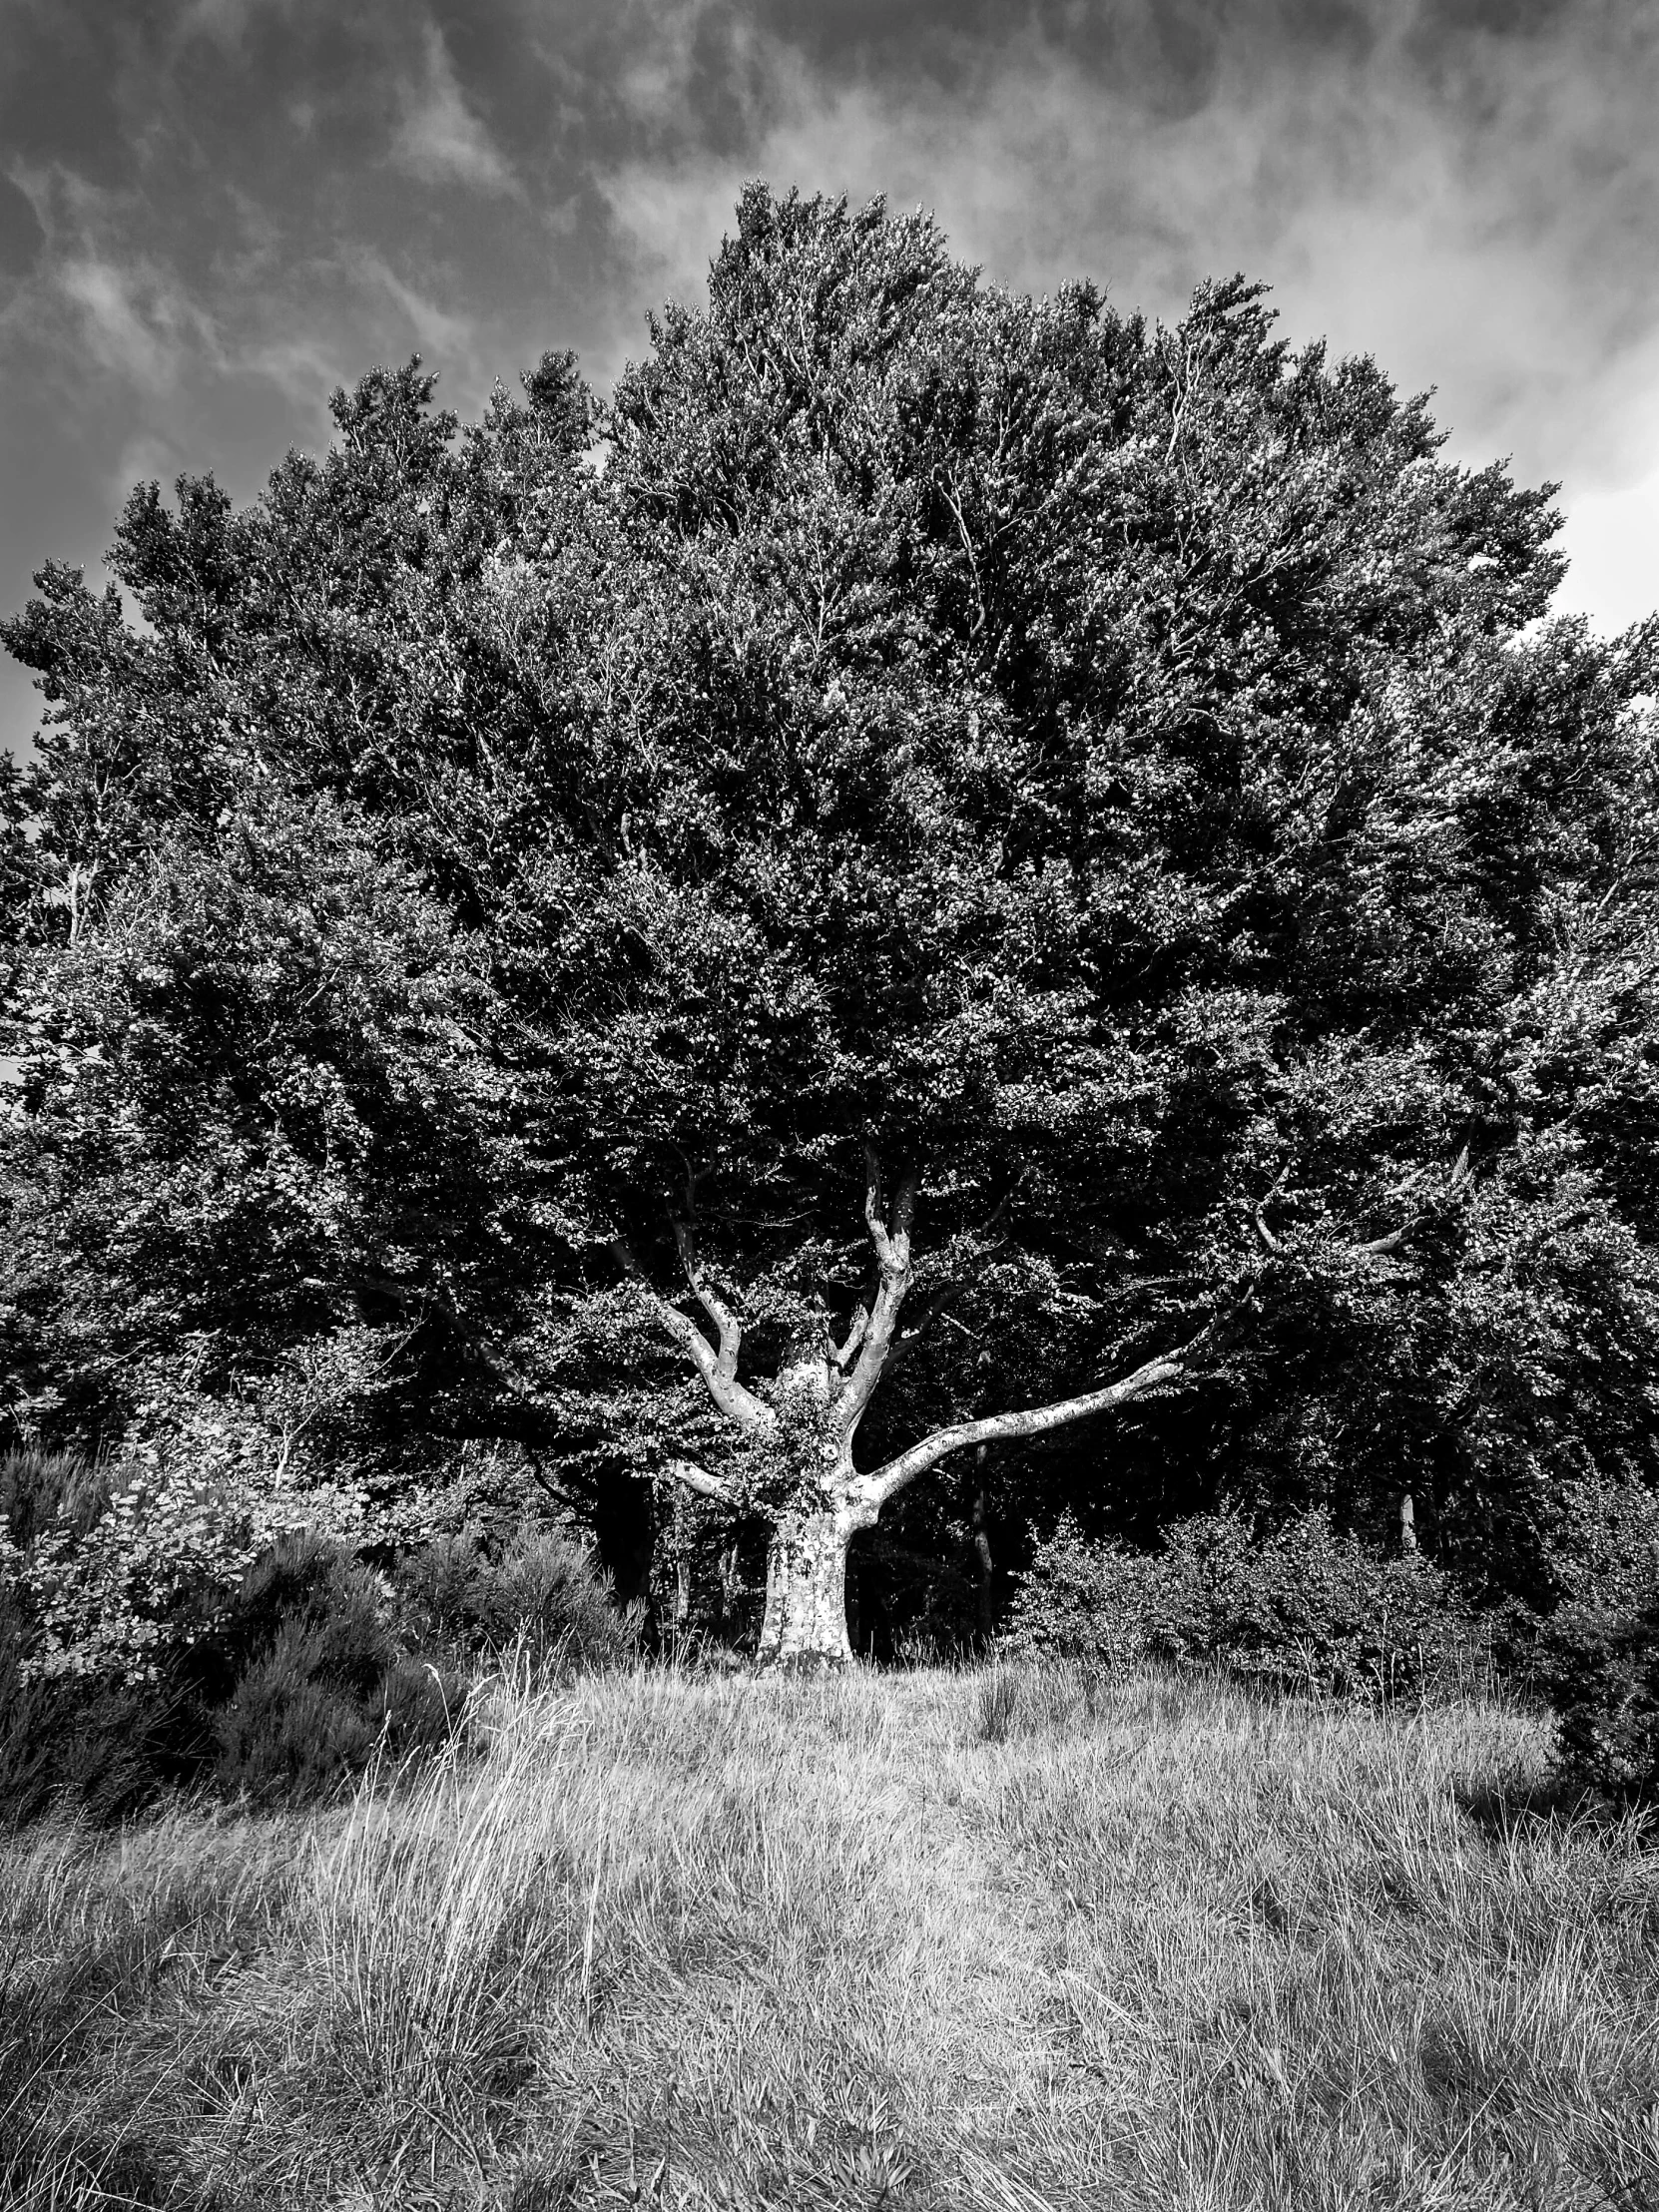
(1001, 1940)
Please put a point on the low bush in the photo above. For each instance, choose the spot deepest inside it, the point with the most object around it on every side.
(1087, 1600)
(303, 1587)
(543, 1595)
(1599, 1650)
(99, 1749)
(284, 1684)
(1307, 1607)
(288, 1695)
(311, 1678)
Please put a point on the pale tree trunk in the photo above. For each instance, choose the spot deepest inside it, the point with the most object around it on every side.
(805, 1617)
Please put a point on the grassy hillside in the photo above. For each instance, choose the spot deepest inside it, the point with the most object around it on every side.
(1010, 1941)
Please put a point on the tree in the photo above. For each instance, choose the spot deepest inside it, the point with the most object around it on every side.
(1101, 776)
(263, 1096)
(1104, 799)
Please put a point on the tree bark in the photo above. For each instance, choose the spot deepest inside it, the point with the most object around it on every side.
(982, 1553)
(1407, 1526)
(805, 1630)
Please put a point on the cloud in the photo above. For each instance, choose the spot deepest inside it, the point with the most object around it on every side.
(433, 327)
(439, 138)
(21, 232)
(147, 457)
(305, 369)
(243, 203)
(137, 322)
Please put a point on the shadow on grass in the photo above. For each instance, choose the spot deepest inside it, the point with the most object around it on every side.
(1512, 1807)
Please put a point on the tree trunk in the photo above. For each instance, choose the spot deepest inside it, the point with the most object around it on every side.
(805, 1618)
(982, 1552)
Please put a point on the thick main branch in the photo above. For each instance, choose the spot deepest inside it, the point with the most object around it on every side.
(717, 1367)
(887, 1481)
(890, 1236)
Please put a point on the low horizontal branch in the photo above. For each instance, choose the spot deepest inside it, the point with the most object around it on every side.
(1036, 1420)
(694, 1477)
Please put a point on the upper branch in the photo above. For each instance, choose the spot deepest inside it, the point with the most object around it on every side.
(1258, 1211)
(730, 1333)
(716, 1368)
(1454, 1183)
(892, 1238)
(885, 1483)
(859, 1327)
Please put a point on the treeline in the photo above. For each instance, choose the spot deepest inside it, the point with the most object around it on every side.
(932, 840)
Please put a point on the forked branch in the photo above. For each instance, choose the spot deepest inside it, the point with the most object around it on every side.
(842, 1353)
(717, 1367)
(1456, 1181)
(1461, 1174)
(725, 1321)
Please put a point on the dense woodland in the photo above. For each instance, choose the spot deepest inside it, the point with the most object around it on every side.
(672, 962)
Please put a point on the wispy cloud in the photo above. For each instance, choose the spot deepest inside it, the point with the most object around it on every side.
(227, 207)
(434, 328)
(439, 138)
(137, 322)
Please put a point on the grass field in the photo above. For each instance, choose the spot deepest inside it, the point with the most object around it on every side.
(1011, 1940)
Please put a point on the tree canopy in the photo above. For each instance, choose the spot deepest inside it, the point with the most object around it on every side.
(1102, 807)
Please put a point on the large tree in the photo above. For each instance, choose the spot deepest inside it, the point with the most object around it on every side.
(980, 863)
(1091, 791)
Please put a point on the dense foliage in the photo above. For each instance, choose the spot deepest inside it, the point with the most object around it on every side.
(1306, 1608)
(1600, 1646)
(1124, 776)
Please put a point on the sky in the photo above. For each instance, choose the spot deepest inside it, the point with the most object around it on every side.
(215, 212)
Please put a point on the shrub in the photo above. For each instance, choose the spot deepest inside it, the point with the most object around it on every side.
(289, 1693)
(304, 1582)
(287, 1731)
(124, 1565)
(311, 1677)
(1306, 1608)
(37, 1488)
(1095, 1601)
(1599, 1649)
(543, 1593)
(99, 1749)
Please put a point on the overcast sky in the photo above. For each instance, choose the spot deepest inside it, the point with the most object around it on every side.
(213, 211)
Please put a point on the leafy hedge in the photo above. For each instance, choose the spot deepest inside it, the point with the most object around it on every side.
(1307, 1607)
(541, 1595)
(1599, 1650)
